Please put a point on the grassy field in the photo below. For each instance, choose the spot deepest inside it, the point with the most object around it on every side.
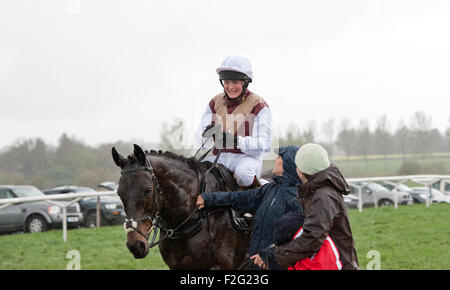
(390, 167)
(411, 237)
(376, 165)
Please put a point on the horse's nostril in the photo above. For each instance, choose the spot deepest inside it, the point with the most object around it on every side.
(138, 249)
(141, 246)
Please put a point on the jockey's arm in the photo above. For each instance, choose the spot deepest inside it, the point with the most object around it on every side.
(261, 140)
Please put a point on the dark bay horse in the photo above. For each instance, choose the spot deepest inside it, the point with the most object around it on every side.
(160, 189)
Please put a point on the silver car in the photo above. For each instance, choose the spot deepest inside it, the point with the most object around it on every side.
(33, 216)
(375, 193)
(434, 195)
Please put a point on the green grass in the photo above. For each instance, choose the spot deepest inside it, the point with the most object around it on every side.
(102, 248)
(392, 166)
(411, 237)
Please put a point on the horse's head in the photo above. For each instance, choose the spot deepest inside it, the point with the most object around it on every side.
(135, 190)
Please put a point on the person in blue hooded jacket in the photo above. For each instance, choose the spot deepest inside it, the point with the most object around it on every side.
(267, 204)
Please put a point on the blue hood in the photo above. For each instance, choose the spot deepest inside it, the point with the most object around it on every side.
(290, 175)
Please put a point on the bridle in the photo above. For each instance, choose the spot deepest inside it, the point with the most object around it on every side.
(131, 225)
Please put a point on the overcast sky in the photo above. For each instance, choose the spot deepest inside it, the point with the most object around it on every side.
(115, 70)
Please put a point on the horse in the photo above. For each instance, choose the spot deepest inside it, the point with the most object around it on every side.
(159, 191)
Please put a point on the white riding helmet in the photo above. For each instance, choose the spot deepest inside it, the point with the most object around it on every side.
(236, 63)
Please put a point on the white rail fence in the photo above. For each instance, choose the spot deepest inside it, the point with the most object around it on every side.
(359, 183)
(72, 197)
(426, 180)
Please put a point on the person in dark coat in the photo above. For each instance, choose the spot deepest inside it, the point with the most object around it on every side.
(290, 227)
(267, 204)
(325, 213)
(286, 227)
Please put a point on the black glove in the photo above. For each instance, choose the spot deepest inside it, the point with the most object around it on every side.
(210, 130)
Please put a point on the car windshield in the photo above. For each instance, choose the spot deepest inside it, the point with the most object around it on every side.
(376, 187)
(402, 187)
(27, 191)
(84, 189)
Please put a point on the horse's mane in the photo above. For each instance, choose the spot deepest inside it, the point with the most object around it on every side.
(190, 161)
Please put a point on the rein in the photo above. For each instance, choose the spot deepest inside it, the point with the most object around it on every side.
(130, 225)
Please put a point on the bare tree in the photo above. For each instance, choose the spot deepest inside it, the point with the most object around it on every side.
(309, 133)
(293, 136)
(447, 136)
(346, 137)
(328, 128)
(364, 140)
(401, 138)
(420, 128)
(383, 137)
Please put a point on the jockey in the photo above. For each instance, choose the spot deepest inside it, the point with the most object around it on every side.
(239, 121)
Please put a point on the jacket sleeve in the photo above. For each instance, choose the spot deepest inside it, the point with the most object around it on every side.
(261, 140)
(323, 210)
(245, 201)
(267, 255)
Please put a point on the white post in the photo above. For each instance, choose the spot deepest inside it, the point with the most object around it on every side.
(360, 203)
(375, 203)
(98, 216)
(64, 224)
(396, 193)
(64, 209)
(429, 195)
(4, 203)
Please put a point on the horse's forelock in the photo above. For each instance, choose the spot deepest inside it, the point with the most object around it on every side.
(131, 159)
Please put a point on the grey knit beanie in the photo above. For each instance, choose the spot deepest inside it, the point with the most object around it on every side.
(312, 158)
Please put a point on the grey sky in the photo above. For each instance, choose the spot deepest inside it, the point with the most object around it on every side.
(115, 70)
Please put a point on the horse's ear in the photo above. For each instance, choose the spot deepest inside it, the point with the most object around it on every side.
(140, 155)
(118, 159)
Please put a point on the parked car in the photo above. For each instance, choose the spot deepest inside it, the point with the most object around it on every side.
(109, 185)
(36, 216)
(351, 201)
(435, 195)
(443, 186)
(417, 198)
(111, 208)
(374, 192)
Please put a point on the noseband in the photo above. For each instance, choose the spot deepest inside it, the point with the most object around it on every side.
(131, 225)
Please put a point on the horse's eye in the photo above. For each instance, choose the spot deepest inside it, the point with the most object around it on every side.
(147, 192)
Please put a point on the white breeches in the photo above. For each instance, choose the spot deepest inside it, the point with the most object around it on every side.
(245, 167)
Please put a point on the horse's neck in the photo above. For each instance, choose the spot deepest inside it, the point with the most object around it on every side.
(177, 182)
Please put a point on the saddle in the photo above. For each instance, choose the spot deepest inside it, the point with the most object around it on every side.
(227, 182)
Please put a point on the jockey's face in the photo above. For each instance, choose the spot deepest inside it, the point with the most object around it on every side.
(233, 88)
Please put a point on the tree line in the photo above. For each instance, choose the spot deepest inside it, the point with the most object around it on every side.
(341, 138)
(72, 162)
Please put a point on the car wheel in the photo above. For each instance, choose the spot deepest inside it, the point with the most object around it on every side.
(385, 202)
(36, 224)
